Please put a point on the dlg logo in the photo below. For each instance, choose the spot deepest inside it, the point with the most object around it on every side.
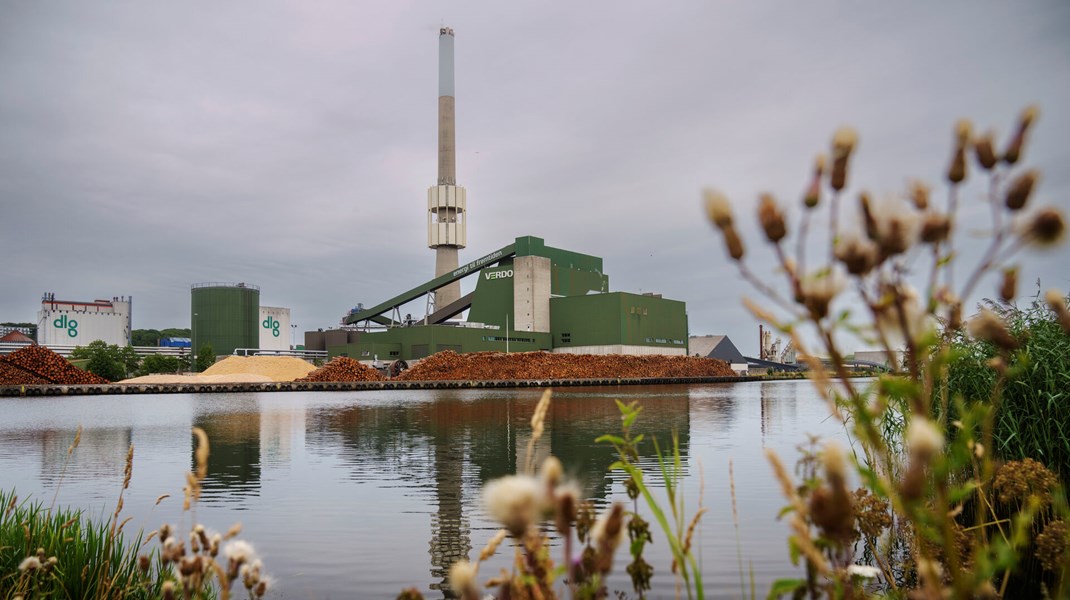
(273, 325)
(69, 324)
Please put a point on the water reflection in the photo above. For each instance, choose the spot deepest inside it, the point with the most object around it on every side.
(378, 490)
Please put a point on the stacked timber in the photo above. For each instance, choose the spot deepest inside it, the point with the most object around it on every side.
(486, 366)
(43, 366)
(345, 369)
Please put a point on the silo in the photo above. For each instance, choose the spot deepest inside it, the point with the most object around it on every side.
(225, 316)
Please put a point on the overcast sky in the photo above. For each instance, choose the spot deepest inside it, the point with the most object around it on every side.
(145, 147)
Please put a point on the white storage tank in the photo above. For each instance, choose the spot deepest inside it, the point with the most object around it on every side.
(77, 323)
(274, 328)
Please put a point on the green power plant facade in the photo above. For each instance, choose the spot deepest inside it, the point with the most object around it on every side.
(528, 296)
(226, 316)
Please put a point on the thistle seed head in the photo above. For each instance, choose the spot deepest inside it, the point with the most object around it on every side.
(733, 243)
(1046, 228)
(859, 256)
(813, 193)
(983, 147)
(513, 501)
(30, 563)
(1014, 147)
(771, 219)
(843, 143)
(1057, 304)
(819, 289)
(924, 438)
(462, 579)
(1008, 287)
(989, 327)
(935, 228)
(1020, 189)
(718, 208)
(919, 194)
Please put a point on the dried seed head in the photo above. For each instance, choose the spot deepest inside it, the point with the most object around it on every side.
(1014, 147)
(843, 143)
(771, 219)
(718, 208)
(835, 463)
(606, 535)
(566, 502)
(866, 206)
(1019, 190)
(30, 563)
(168, 590)
(935, 228)
(963, 128)
(813, 193)
(924, 439)
(733, 243)
(896, 224)
(1057, 304)
(819, 289)
(462, 579)
(143, 563)
(859, 256)
(1008, 287)
(983, 147)
(551, 472)
(989, 327)
(956, 171)
(1046, 228)
(514, 502)
(919, 194)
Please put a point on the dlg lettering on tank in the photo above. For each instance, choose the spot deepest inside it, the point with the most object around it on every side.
(69, 324)
(273, 325)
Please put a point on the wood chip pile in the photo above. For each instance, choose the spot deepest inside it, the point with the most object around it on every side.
(484, 366)
(274, 368)
(35, 365)
(343, 368)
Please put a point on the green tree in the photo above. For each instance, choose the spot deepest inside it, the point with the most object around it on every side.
(108, 361)
(159, 363)
(205, 357)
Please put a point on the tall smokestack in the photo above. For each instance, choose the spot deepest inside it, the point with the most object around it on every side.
(446, 206)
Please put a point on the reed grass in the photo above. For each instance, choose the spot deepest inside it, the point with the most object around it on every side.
(1032, 419)
(90, 562)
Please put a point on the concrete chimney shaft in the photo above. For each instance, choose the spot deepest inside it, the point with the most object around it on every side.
(446, 201)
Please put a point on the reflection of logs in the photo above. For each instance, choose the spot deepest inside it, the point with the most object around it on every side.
(449, 365)
(37, 364)
(343, 368)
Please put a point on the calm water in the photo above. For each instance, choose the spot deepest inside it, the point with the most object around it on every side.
(358, 494)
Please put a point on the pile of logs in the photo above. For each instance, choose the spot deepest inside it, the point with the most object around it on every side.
(342, 368)
(484, 366)
(35, 365)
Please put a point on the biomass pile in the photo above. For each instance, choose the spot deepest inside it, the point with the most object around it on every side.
(187, 378)
(34, 365)
(343, 368)
(275, 368)
(484, 366)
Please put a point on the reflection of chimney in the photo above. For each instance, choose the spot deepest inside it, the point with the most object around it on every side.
(446, 204)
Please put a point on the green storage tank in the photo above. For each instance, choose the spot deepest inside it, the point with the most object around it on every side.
(225, 315)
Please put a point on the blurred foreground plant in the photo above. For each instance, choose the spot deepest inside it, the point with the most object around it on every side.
(528, 506)
(63, 554)
(928, 520)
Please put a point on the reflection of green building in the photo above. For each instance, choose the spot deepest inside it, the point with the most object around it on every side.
(234, 452)
(527, 294)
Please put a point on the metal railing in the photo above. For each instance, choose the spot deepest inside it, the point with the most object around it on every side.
(306, 354)
(8, 348)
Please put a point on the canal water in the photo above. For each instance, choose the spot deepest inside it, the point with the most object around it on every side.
(359, 494)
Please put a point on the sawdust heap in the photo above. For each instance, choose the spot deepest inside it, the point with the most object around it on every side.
(276, 368)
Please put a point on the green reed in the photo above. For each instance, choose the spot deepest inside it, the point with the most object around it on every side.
(77, 557)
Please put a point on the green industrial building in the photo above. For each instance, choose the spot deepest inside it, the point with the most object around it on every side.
(528, 297)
